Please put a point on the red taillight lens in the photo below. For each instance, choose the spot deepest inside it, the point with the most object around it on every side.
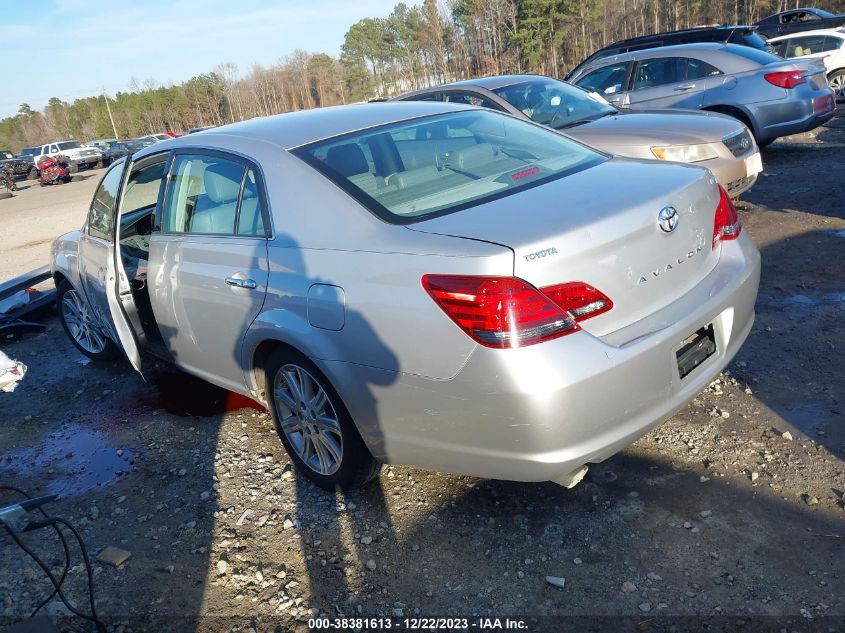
(726, 225)
(499, 312)
(786, 79)
(581, 300)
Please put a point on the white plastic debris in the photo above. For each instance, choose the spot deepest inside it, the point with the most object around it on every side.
(11, 371)
(17, 300)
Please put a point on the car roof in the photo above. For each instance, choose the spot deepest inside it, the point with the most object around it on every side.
(695, 29)
(661, 51)
(833, 31)
(293, 129)
(489, 83)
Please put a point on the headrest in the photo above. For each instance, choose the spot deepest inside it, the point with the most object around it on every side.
(348, 160)
(223, 182)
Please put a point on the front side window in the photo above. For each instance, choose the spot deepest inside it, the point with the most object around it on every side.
(210, 195)
(606, 81)
(498, 156)
(554, 103)
(101, 214)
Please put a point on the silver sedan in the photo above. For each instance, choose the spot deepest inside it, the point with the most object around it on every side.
(773, 97)
(417, 283)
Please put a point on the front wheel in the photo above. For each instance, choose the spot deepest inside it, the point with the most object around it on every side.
(837, 82)
(314, 425)
(80, 326)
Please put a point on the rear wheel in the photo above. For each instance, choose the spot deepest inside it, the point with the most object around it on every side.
(80, 326)
(836, 80)
(314, 425)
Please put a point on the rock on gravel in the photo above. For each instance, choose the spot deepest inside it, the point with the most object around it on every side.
(556, 581)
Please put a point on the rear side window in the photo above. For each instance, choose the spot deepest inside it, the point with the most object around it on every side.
(698, 69)
(606, 81)
(659, 72)
(211, 195)
(484, 156)
(250, 218)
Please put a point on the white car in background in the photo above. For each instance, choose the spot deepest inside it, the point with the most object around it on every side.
(77, 154)
(826, 44)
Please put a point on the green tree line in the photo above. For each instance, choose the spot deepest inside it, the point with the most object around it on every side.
(413, 47)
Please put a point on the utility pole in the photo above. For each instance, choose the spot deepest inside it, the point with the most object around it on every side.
(111, 118)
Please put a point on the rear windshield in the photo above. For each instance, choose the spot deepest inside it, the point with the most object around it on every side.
(754, 40)
(753, 54)
(414, 170)
(69, 145)
(30, 151)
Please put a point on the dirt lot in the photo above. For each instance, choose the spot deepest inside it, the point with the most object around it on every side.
(36, 215)
(728, 517)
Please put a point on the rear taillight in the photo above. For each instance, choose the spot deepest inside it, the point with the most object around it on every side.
(581, 300)
(499, 312)
(726, 225)
(786, 79)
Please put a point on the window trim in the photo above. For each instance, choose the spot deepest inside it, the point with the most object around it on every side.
(117, 167)
(235, 157)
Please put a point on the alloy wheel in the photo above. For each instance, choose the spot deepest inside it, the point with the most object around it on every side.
(838, 85)
(308, 419)
(78, 318)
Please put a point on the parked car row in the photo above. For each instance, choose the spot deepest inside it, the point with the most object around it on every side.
(719, 142)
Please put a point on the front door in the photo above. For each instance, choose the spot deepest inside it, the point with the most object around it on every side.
(97, 269)
(208, 265)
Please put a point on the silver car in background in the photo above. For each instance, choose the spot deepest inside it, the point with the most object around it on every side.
(417, 283)
(715, 141)
(773, 97)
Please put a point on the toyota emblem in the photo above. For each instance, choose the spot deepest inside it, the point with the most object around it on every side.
(668, 219)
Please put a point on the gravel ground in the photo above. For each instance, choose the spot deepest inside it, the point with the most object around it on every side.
(730, 516)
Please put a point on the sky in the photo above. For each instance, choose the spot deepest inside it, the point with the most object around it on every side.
(74, 48)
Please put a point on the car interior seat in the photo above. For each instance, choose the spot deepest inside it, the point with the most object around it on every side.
(215, 210)
(349, 161)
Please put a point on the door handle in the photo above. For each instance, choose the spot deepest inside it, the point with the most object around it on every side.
(685, 87)
(241, 283)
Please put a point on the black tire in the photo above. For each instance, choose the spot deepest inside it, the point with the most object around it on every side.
(357, 466)
(837, 77)
(109, 351)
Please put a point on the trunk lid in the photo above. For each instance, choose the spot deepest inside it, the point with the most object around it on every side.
(600, 226)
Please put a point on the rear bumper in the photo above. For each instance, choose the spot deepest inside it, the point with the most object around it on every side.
(540, 412)
(793, 115)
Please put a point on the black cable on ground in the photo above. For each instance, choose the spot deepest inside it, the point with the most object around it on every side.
(57, 584)
(61, 536)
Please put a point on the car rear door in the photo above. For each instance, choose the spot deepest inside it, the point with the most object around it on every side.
(669, 82)
(97, 264)
(208, 261)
